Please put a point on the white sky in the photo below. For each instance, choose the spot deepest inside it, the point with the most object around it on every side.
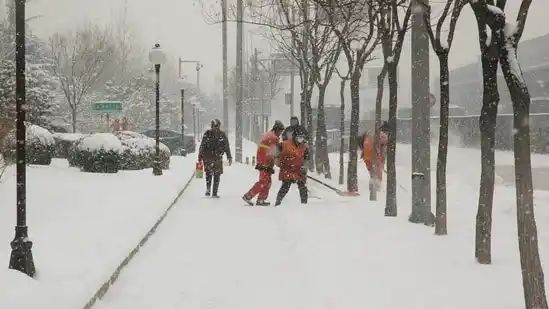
(178, 25)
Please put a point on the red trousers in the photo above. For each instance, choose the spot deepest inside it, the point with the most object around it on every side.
(261, 187)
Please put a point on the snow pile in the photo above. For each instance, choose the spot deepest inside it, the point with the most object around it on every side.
(101, 141)
(69, 137)
(36, 134)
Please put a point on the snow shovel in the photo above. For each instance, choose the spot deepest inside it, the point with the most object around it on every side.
(336, 190)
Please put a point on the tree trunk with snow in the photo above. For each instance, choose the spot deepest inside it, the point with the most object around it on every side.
(440, 220)
(377, 124)
(391, 200)
(487, 124)
(342, 131)
(322, 158)
(532, 271)
(73, 119)
(352, 178)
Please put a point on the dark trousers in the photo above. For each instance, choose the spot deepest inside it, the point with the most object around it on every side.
(303, 193)
(216, 179)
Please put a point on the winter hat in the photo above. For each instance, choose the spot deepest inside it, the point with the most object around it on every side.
(216, 123)
(278, 126)
(294, 119)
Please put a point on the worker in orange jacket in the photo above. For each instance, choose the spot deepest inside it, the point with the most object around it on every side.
(292, 160)
(266, 153)
(371, 160)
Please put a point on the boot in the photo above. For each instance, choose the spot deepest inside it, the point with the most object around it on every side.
(247, 200)
(262, 203)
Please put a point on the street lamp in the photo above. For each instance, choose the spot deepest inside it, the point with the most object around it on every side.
(183, 147)
(21, 253)
(196, 104)
(157, 57)
(197, 68)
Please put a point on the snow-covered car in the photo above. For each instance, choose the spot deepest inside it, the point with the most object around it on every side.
(40, 145)
(139, 151)
(174, 141)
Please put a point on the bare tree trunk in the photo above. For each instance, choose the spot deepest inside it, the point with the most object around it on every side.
(320, 122)
(73, 116)
(379, 101)
(487, 123)
(352, 178)
(532, 271)
(391, 200)
(440, 220)
(342, 132)
(309, 126)
(323, 160)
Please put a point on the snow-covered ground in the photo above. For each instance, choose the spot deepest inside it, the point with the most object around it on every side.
(82, 225)
(336, 252)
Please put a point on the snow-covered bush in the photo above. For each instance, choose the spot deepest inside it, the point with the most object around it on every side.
(64, 142)
(40, 145)
(139, 151)
(97, 153)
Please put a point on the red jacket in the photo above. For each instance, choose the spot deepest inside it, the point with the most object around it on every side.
(292, 158)
(266, 152)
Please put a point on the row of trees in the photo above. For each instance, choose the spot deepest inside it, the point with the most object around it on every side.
(315, 34)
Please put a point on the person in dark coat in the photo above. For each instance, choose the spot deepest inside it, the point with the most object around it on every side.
(214, 144)
(292, 160)
(294, 125)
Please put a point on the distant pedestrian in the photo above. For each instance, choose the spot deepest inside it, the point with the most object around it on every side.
(115, 126)
(292, 159)
(214, 145)
(375, 162)
(266, 153)
(125, 125)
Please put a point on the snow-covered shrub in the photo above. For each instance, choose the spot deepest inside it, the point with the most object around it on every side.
(40, 145)
(64, 142)
(97, 153)
(139, 151)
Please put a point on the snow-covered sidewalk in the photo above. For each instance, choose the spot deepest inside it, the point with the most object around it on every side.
(82, 226)
(333, 253)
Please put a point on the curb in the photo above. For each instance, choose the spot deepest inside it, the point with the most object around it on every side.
(106, 286)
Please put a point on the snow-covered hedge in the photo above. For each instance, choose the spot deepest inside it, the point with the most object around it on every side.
(64, 142)
(139, 151)
(40, 145)
(97, 153)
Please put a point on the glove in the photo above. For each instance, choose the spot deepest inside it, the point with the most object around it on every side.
(303, 170)
(230, 161)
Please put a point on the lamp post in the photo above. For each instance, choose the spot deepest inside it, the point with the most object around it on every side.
(157, 57)
(21, 254)
(183, 149)
(195, 104)
(198, 67)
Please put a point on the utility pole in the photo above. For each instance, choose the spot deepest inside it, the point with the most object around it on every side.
(292, 80)
(421, 151)
(225, 66)
(239, 85)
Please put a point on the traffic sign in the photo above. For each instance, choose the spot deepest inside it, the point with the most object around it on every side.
(108, 106)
